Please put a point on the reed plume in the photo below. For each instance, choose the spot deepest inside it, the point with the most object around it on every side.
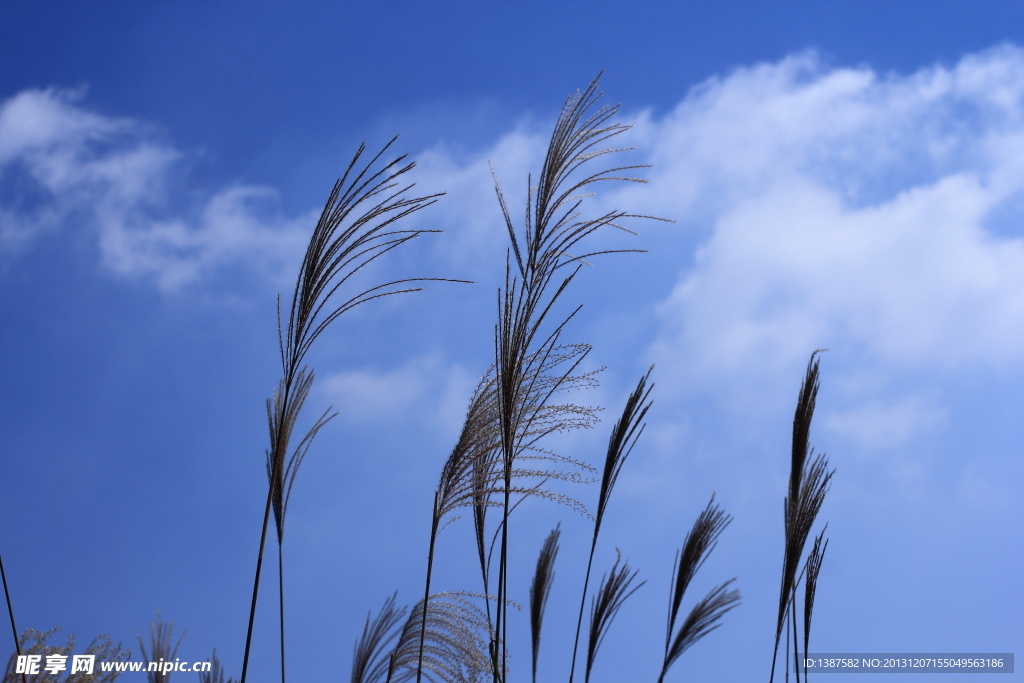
(808, 485)
(472, 475)
(615, 588)
(540, 589)
(355, 228)
(707, 613)
(456, 645)
(553, 228)
(371, 658)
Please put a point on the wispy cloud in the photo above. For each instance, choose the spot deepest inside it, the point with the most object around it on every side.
(64, 167)
(879, 425)
(378, 395)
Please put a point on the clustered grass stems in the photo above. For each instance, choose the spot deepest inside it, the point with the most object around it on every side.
(160, 648)
(553, 228)
(540, 589)
(707, 613)
(624, 436)
(808, 485)
(355, 228)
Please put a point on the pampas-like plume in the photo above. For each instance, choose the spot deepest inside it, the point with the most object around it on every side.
(807, 488)
(354, 229)
(553, 229)
(472, 475)
(457, 638)
(281, 418)
(611, 594)
(540, 589)
(703, 619)
(705, 615)
(370, 660)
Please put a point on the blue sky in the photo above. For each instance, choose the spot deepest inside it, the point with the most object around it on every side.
(844, 176)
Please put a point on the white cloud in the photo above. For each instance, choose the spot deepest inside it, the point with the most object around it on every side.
(840, 207)
(62, 162)
(831, 207)
(230, 229)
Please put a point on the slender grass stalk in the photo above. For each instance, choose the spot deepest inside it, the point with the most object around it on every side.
(553, 228)
(808, 485)
(624, 436)
(426, 588)
(796, 641)
(280, 601)
(707, 613)
(540, 589)
(10, 612)
(611, 594)
(354, 229)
